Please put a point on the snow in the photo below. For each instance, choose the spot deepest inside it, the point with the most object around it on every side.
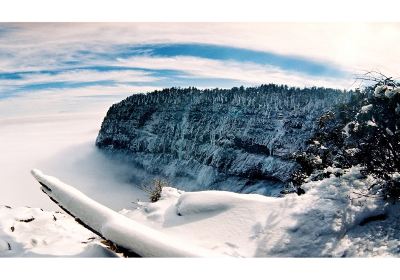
(115, 227)
(390, 93)
(379, 90)
(318, 160)
(333, 218)
(352, 151)
(346, 128)
(388, 131)
(387, 91)
(323, 222)
(366, 108)
(32, 232)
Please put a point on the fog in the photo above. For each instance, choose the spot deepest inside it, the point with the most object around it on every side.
(61, 145)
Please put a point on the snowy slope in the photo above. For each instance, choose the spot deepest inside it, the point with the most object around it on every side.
(32, 232)
(333, 219)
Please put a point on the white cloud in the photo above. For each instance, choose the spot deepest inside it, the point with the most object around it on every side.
(76, 76)
(354, 46)
(249, 73)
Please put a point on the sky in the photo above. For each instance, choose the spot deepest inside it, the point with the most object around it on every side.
(84, 63)
(57, 81)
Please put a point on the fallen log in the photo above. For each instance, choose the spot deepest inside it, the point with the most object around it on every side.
(121, 233)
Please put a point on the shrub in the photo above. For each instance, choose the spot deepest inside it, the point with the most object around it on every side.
(154, 189)
(365, 132)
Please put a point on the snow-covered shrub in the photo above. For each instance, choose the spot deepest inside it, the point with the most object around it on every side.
(365, 132)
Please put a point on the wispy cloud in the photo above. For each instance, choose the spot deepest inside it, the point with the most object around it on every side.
(78, 57)
(72, 78)
(238, 72)
(227, 53)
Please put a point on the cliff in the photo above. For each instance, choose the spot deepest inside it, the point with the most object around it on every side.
(241, 139)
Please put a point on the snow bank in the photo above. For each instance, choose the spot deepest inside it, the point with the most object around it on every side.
(115, 227)
(327, 221)
(32, 232)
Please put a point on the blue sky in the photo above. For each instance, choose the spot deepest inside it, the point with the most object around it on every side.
(119, 59)
(226, 53)
(101, 64)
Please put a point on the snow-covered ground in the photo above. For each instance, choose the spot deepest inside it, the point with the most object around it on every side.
(32, 232)
(333, 219)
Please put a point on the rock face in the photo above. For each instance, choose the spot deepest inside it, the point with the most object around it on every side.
(239, 139)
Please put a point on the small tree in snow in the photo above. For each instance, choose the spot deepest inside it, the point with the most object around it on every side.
(154, 189)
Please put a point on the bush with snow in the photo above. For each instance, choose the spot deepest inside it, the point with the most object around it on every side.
(365, 132)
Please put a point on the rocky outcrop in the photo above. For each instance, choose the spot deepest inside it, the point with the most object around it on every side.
(240, 139)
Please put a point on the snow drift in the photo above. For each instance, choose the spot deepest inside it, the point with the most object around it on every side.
(331, 220)
(115, 227)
